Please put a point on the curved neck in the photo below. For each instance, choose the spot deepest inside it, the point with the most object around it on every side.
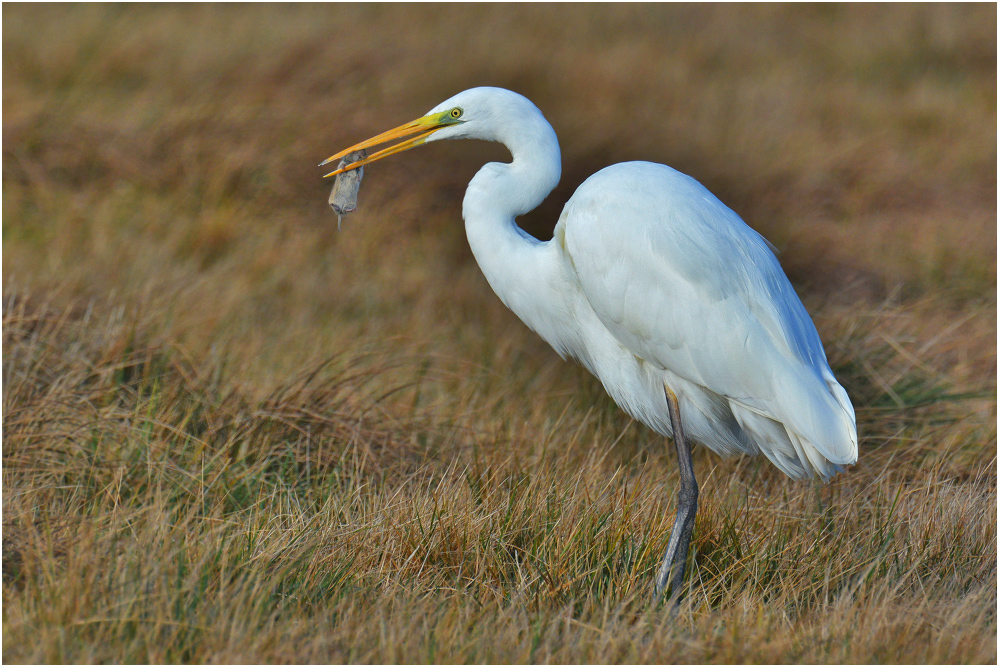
(523, 271)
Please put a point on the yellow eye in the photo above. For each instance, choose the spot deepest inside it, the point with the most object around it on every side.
(456, 112)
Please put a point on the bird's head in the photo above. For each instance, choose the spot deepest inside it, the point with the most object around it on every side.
(472, 114)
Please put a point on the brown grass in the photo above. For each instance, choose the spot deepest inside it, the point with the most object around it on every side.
(233, 434)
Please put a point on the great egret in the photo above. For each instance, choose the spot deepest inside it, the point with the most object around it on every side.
(657, 288)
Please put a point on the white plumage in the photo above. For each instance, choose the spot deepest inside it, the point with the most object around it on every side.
(697, 301)
(655, 286)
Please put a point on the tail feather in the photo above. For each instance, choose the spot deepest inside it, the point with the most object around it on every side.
(796, 456)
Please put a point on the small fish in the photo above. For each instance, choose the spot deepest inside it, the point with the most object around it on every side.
(344, 196)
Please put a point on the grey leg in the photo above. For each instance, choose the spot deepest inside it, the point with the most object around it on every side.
(672, 567)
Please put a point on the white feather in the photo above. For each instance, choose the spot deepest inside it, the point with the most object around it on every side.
(652, 283)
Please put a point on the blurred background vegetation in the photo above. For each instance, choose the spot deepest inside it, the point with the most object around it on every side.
(161, 195)
(168, 153)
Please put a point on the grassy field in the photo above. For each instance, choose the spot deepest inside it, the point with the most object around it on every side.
(233, 434)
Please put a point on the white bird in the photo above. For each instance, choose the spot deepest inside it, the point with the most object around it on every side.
(659, 289)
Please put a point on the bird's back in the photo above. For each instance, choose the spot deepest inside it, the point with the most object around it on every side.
(696, 300)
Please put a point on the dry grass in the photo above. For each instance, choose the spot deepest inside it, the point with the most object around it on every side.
(232, 434)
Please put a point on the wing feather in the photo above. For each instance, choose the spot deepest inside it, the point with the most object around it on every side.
(682, 282)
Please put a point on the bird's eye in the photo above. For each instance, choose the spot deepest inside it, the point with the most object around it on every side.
(456, 112)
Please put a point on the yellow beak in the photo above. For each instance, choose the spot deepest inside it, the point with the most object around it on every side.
(422, 128)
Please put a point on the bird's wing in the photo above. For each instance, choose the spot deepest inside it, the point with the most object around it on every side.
(684, 284)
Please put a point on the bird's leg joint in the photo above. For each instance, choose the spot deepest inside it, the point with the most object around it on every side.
(672, 567)
(687, 495)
